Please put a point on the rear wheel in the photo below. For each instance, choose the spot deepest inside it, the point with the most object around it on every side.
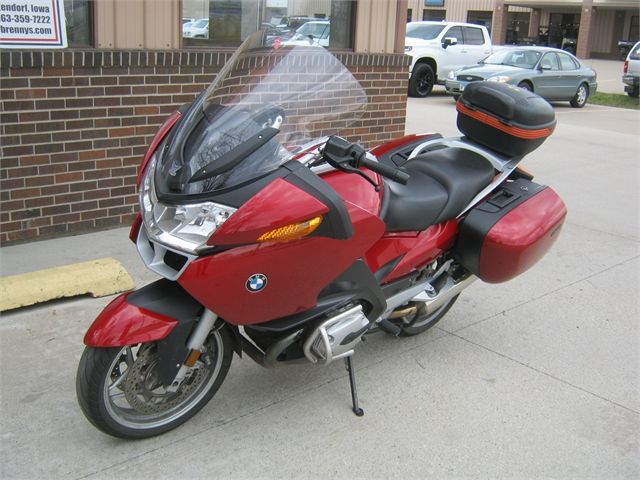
(581, 96)
(119, 392)
(421, 81)
(417, 320)
(634, 92)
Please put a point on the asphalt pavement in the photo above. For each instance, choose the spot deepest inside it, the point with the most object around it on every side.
(537, 377)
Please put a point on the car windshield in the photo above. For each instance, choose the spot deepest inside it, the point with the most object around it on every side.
(318, 30)
(514, 58)
(200, 23)
(635, 53)
(424, 31)
(268, 103)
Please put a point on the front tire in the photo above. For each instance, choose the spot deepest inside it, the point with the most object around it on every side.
(421, 81)
(581, 96)
(118, 392)
(526, 86)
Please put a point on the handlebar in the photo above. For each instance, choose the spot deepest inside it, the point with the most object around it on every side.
(348, 156)
(394, 174)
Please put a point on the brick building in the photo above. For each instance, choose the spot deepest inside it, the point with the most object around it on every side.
(76, 122)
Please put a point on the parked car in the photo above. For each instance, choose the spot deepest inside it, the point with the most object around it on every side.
(197, 29)
(550, 72)
(631, 77)
(315, 32)
(437, 48)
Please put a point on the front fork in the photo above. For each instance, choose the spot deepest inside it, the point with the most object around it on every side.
(194, 347)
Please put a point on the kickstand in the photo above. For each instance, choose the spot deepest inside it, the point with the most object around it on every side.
(352, 381)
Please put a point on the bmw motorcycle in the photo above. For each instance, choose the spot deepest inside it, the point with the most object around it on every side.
(278, 240)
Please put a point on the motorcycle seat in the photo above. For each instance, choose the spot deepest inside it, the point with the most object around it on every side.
(442, 183)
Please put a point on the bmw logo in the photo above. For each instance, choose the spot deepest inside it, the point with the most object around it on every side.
(255, 283)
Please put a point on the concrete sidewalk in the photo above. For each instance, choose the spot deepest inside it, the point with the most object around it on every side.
(538, 377)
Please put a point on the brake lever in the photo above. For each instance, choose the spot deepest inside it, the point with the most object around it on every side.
(344, 164)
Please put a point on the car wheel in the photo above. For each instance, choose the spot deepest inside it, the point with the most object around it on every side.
(421, 81)
(525, 86)
(580, 98)
(634, 92)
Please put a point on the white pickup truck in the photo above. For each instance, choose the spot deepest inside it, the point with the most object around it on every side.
(437, 48)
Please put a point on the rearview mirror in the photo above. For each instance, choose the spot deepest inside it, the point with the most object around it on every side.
(447, 41)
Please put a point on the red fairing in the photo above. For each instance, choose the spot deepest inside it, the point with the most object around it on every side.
(162, 132)
(296, 272)
(135, 228)
(522, 237)
(121, 323)
(417, 249)
(264, 212)
(355, 189)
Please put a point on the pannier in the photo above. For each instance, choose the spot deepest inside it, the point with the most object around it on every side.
(507, 119)
(510, 231)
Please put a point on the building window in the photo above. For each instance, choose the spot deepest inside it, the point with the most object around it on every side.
(633, 29)
(480, 17)
(434, 3)
(434, 15)
(78, 17)
(226, 23)
(409, 14)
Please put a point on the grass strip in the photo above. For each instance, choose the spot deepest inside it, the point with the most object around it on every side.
(615, 100)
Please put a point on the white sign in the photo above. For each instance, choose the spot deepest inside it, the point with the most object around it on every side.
(32, 24)
(277, 3)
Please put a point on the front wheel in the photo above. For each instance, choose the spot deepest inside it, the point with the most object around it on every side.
(119, 392)
(421, 81)
(580, 98)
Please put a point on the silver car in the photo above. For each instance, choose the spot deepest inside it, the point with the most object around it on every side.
(631, 75)
(551, 73)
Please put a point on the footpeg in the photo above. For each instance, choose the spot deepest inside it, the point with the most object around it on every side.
(354, 393)
(389, 327)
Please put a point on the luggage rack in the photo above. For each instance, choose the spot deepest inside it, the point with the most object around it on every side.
(504, 165)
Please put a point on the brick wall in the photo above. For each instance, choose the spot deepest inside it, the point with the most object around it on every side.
(76, 124)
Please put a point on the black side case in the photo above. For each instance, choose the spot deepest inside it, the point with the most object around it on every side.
(507, 119)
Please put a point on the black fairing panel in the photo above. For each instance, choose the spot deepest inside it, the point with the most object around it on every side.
(171, 300)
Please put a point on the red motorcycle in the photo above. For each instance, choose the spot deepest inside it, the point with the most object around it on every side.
(279, 241)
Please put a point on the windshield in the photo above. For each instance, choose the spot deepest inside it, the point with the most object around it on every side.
(425, 31)
(266, 103)
(514, 58)
(317, 29)
(200, 23)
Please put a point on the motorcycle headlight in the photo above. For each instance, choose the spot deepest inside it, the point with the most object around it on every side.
(184, 227)
(499, 78)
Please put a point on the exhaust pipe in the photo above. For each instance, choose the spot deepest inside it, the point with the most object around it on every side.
(446, 293)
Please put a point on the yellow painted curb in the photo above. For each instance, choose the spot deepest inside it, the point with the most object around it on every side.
(101, 277)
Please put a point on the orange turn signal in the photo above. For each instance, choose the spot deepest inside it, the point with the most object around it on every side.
(293, 231)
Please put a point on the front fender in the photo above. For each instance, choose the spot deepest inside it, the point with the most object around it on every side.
(145, 315)
(122, 323)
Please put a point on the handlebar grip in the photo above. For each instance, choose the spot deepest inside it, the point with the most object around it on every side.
(394, 174)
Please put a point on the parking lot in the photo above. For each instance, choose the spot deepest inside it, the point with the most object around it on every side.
(538, 377)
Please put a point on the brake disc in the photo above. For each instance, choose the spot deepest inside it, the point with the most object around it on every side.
(147, 395)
